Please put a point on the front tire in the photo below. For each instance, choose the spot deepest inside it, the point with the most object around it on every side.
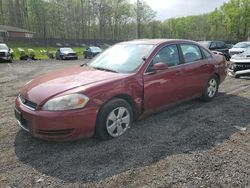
(211, 88)
(114, 119)
(11, 60)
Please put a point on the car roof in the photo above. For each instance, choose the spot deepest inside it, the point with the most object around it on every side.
(66, 48)
(156, 41)
(211, 41)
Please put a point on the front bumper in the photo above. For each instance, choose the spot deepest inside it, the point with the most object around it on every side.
(5, 58)
(69, 57)
(66, 125)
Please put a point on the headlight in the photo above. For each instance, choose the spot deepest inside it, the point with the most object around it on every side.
(67, 102)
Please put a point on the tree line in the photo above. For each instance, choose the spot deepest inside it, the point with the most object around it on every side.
(117, 20)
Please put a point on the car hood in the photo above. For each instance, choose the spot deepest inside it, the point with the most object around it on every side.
(241, 58)
(46, 86)
(237, 49)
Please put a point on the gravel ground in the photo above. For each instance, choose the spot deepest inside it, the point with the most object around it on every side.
(195, 144)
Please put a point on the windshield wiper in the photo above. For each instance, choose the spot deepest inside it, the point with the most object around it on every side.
(105, 69)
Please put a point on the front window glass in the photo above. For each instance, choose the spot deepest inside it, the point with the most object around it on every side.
(191, 53)
(213, 45)
(247, 52)
(220, 44)
(205, 43)
(95, 49)
(66, 50)
(168, 55)
(241, 45)
(122, 58)
(3, 47)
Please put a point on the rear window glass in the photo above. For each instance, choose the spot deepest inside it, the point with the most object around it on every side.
(191, 52)
(206, 53)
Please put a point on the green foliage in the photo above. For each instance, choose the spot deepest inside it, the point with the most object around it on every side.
(116, 20)
(230, 22)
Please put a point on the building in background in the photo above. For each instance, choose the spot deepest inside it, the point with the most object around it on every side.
(7, 32)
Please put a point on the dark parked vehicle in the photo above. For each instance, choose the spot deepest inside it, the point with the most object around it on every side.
(6, 54)
(66, 53)
(91, 52)
(219, 46)
(240, 64)
(128, 81)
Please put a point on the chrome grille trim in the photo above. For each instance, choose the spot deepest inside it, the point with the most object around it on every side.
(28, 104)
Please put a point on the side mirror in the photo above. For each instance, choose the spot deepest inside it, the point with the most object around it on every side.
(159, 66)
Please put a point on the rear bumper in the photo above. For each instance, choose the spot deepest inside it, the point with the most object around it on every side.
(66, 125)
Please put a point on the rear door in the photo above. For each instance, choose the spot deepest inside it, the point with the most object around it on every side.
(165, 87)
(197, 68)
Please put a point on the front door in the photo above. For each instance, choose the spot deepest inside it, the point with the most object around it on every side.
(163, 88)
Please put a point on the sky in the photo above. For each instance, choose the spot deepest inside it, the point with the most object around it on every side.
(178, 8)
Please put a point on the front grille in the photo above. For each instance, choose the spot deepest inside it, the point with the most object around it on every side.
(2, 54)
(241, 66)
(27, 103)
(71, 54)
(61, 132)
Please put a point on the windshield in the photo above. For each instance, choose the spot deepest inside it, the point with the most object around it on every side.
(241, 45)
(95, 49)
(3, 47)
(68, 50)
(247, 52)
(205, 43)
(122, 58)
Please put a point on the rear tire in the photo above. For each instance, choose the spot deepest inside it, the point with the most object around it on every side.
(211, 88)
(114, 119)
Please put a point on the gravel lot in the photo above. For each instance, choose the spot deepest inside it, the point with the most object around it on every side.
(195, 144)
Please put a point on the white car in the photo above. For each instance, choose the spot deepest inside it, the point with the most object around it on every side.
(5, 53)
(239, 48)
(240, 64)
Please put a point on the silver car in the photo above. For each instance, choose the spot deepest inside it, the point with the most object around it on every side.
(239, 48)
(5, 53)
(240, 64)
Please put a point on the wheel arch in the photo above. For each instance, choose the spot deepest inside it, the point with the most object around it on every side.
(218, 76)
(129, 100)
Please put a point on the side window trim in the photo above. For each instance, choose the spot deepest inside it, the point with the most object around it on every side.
(203, 54)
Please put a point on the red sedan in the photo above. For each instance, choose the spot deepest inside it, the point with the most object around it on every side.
(128, 81)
